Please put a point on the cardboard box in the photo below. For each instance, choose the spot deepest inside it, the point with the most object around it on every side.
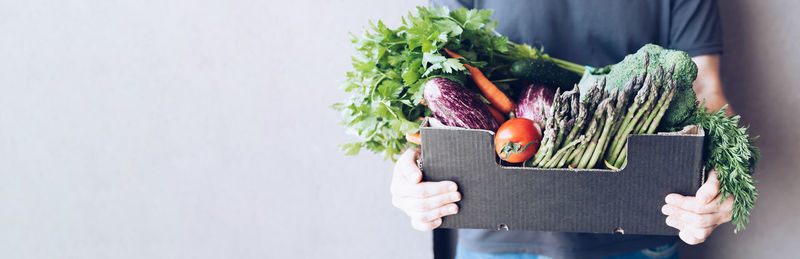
(626, 201)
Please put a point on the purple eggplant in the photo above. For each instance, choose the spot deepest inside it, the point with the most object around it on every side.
(532, 101)
(454, 105)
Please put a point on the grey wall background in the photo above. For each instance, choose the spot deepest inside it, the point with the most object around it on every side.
(202, 129)
(759, 74)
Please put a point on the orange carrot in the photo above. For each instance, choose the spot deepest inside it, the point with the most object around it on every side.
(452, 54)
(497, 115)
(414, 138)
(498, 99)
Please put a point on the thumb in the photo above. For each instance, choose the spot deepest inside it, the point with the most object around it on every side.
(708, 191)
(410, 170)
(413, 174)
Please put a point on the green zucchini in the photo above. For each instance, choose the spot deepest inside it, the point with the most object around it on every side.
(543, 71)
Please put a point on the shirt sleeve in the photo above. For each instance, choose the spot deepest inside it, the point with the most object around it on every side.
(695, 27)
(454, 4)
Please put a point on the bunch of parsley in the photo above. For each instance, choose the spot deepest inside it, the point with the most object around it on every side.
(390, 66)
(730, 150)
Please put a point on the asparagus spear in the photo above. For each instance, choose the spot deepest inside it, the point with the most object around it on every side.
(564, 114)
(596, 94)
(653, 125)
(611, 114)
(550, 136)
(549, 127)
(667, 86)
(591, 140)
(628, 126)
(580, 121)
(584, 108)
(563, 120)
(543, 147)
(623, 99)
(652, 108)
(559, 154)
(591, 100)
(652, 96)
(590, 135)
(621, 160)
(568, 153)
(603, 107)
(559, 136)
(576, 100)
(620, 107)
(576, 157)
(641, 95)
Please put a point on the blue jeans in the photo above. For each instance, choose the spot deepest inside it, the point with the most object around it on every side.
(662, 252)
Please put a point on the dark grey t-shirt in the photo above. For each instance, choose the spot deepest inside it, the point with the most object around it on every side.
(595, 33)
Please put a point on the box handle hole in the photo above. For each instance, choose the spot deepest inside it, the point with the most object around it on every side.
(502, 227)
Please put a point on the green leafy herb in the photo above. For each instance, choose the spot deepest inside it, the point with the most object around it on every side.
(732, 152)
(390, 66)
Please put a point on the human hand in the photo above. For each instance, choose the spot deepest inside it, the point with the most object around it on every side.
(696, 217)
(424, 202)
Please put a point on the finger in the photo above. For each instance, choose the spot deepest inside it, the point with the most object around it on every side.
(690, 203)
(689, 239)
(726, 210)
(434, 214)
(426, 204)
(700, 233)
(674, 222)
(691, 218)
(426, 189)
(690, 234)
(426, 226)
(698, 220)
(708, 191)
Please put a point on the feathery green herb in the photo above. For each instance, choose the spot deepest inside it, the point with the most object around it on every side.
(390, 66)
(732, 152)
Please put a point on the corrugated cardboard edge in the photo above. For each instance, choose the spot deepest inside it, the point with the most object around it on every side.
(468, 218)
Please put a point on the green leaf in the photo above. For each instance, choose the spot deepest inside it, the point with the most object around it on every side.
(449, 28)
(410, 76)
(432, 58)
(451, 65)
(432, 68)
(389, 89)
(472, 19)
(351, 149)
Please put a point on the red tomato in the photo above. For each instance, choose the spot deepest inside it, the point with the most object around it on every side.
(515, 134)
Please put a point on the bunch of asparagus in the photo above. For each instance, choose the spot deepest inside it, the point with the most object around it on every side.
(578, 133)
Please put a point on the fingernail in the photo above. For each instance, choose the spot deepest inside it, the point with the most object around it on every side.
(453, 187)
(451, 209)
(669, 221)
(671, 199)
(455, 197)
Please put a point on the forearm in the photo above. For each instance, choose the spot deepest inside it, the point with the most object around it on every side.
(714, 100)
(708, 84)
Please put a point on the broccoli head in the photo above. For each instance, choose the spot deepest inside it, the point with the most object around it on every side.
(680, 108)
(684, 101)
(632, 65)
